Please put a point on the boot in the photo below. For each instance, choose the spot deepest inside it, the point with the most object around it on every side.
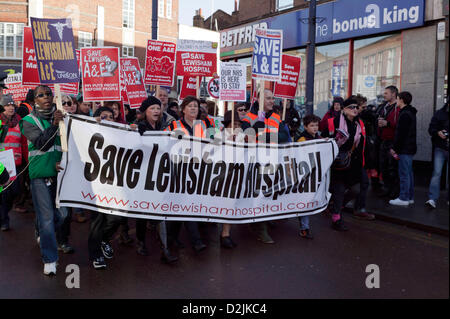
(166, 256)
(262, 234)
(141, 249)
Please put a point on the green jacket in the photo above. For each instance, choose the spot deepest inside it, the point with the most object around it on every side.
(44, 146)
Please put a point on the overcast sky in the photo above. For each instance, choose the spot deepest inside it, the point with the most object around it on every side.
(187, 8)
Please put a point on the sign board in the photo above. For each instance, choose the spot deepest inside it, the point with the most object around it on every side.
(214, 88)
(290, 72)
(196, 58)
(267, 50)
(233, 78)
(132, 82)
(15, 87)
(100, 69)
(55, 50)
(188, 86)
(160, 63)
(366, 85)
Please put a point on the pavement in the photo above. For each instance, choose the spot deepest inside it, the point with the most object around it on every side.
(412, 264)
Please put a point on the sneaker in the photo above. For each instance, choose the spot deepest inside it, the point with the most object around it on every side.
(107, 250)
(431, 203)
(363, 215)
(5, 227)
(38, 240)
(99, 263)
(66, 249)
(306, 233)
(167, 257)
(226, 242)
(339, 225)
(125, 239)
(50, 269)
(411, 201)
(399, 202)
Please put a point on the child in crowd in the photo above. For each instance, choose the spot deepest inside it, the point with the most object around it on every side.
(311, 132)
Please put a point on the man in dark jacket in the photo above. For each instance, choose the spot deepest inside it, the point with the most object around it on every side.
(387, 121)
(404, 148)
(439, 135)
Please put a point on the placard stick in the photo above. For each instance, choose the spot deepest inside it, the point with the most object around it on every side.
(157, 91)
(62, 126)
(197, 92)
(215, 107)
(284, 109)
(232, 118)
(261, 95)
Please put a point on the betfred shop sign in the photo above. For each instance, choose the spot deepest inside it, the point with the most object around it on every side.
(196, 58)
(160, 63)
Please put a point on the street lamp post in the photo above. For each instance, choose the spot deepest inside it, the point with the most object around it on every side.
(155, 20)
(310, 51)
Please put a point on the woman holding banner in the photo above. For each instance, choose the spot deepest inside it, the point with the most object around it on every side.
(189, 124)
(152, 110)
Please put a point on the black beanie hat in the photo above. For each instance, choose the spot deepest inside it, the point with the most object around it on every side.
(151, 100)
(102, 109)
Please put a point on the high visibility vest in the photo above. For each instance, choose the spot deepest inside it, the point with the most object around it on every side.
(13, 141)
(42, 163)
(331, 129)
(272, 124)
(211, 122)
(199, 128)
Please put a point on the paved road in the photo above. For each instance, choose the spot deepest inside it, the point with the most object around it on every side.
(412, 264)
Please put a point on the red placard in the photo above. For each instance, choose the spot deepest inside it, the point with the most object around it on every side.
(100, 70)
(131, 81)
(160, 63)
(30, 74)
(188, 86)
(290, 72)
(196, 58)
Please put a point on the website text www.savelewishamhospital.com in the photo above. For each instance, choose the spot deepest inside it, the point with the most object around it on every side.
(171, 207)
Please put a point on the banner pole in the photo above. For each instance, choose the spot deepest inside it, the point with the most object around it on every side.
(197, 92)
(216, 101)
(232, 118)
(157, 91)
(261, 95)
(284, 109)
(62, 126)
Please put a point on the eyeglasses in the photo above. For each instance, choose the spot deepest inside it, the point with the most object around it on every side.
(68, 103)
(352, 107)
(241, 110)
(47, 94)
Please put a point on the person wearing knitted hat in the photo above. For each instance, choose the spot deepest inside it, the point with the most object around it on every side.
(166, 120)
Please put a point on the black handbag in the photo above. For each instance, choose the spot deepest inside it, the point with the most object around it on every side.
(342, 161)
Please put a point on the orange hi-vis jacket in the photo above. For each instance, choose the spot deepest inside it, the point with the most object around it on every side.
(272, 124)
(211, 122)
(199, 128)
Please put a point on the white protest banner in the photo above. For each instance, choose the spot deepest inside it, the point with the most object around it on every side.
(267, 50)
(115, 170)
(233, 77)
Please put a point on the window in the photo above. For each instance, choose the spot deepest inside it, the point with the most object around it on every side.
(161, 8)
(11, 40)
(128, 14)
(169, 9)
(127, 51)
(284, 4)
(370, 75)
(84, 39)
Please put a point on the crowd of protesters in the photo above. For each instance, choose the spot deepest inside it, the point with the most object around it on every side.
(376, 147)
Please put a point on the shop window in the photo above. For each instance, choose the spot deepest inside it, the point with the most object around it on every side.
(84, 39)
(127, 51)
(284, 4)
(385, 53)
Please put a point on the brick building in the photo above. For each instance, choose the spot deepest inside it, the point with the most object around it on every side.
(121, 23)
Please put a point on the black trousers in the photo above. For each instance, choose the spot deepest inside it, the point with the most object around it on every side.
(102, 228)
(141, 230)
(389, 168)
(63, 233)
(174, 228)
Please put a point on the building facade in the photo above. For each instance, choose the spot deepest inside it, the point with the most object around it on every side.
(120, 23)
(362, 47)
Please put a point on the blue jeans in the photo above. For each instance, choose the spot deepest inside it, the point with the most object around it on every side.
(304, 222)
(406, 175)
(49, 218)
(440, 156)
